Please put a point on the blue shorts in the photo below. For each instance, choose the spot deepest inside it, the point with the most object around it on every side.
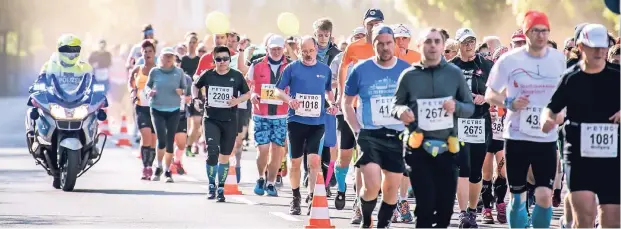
(269, 130)
(329, 139)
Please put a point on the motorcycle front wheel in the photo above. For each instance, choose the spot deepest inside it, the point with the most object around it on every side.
(69, 170)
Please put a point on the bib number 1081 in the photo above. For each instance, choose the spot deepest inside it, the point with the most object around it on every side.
(601, 139)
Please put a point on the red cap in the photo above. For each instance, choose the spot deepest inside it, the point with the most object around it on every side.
(518, 35)
(532, 18)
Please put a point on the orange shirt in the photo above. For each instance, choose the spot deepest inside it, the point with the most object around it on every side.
(409, 56)
(359, 50)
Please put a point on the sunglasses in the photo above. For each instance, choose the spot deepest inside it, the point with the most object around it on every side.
(222, 59)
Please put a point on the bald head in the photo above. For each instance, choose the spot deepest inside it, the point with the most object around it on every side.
(308, 46)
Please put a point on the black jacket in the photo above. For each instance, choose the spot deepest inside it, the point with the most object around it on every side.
(476, 73)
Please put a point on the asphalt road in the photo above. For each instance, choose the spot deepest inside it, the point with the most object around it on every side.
(111, 195)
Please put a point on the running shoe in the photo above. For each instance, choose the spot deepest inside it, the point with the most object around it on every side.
(464, 220)
(395, 216)
(339, 200)
(212, 192)
(294, 206)
(501, 213)
(487, 216)
(278, 181)
(220, 197)
(157, 174)
(271, 190)
(472, 217)
(145, 174)
(179, 167)
(259, 188)
(404, 211)
(309, 201)
(357, 217)
(168, 176)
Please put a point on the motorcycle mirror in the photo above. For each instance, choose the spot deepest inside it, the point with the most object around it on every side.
(34, 114)
(101, 115)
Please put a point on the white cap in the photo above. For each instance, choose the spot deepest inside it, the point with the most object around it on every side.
(462, 34)
(276, 41)
(402, 30)
(594, 36)
(359, 30)
(168, 50)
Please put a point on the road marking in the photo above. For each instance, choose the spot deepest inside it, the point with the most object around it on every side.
(285, 216)
(188, 178)
(243, 200)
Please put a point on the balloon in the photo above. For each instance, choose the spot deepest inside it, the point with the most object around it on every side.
(613, 5)
(288, 24)
(217, 22)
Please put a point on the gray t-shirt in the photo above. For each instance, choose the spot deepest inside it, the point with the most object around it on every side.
(535, 77)
(166, 82)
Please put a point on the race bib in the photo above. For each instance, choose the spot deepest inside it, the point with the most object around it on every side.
(101, 74)
(268, 94)
(310, 105)
(380, 112)
(497, 126)
(431, 115)
(218, 96)
(599, 140)
(530, 121)
(471, 130)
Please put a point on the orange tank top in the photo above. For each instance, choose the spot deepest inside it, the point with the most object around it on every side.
(140, 81)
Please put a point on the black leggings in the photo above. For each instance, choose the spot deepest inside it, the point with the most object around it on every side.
(165, 124)
(434, 181)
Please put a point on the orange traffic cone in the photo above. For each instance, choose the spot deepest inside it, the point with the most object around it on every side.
(105, 129)
(320, 215)
(124, 137)
(230, 186)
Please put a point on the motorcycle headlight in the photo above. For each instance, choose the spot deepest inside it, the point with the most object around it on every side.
(39, 87)
(98, 88)
(59, 112)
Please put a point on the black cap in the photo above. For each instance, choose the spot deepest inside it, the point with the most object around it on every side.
(147, 27)
(373, 14)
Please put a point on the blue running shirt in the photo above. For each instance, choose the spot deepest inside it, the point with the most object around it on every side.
(307, 84)
(376, 86)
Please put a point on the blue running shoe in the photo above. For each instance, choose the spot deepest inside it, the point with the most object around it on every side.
(259, 188)
(271, 190)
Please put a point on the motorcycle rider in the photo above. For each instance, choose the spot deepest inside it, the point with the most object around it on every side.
(66, 66)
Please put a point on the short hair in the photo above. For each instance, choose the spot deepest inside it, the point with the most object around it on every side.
(220, 49)
(308, 38)
(445, 34)
(433, 30)
(147, 27)
(191, 34)
(482, 46)
(233, 34)
(614, 50)
(147, 43)
(551, 42)
(324, 24)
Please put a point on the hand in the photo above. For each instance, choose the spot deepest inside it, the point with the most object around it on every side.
(520, 103)
(254, 98)
(407, 117)
(333, 109)
(198, 105)
(449, 106)
(152, 93)
(548, 125)
(478, 99)
(232, 102)
(560, 118)
(615, 118)
(179, 91)
(294, 104)
(188, 99)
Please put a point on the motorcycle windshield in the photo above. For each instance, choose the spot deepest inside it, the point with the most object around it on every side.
(65, 95)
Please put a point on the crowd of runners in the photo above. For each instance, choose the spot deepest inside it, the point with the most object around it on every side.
(464, 118)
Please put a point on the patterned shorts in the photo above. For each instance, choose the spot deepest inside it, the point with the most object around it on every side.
(270, 130)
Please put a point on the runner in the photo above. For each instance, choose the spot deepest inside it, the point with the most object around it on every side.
(518, 39)
(474, 131)
(325, 54)
(135, 52)
(451, 49)
(269, 114)
(182, 128)
(441, 94)
(359, 50)
(403, 36)
(374, 82)
(165, 86)
(309, 83)
(136, 84)
(101, 60)
(529, 75)
(220, 121)
(498, 185)
(189, 63)
(592, 130)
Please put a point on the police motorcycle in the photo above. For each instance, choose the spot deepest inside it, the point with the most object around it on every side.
(62, 128)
